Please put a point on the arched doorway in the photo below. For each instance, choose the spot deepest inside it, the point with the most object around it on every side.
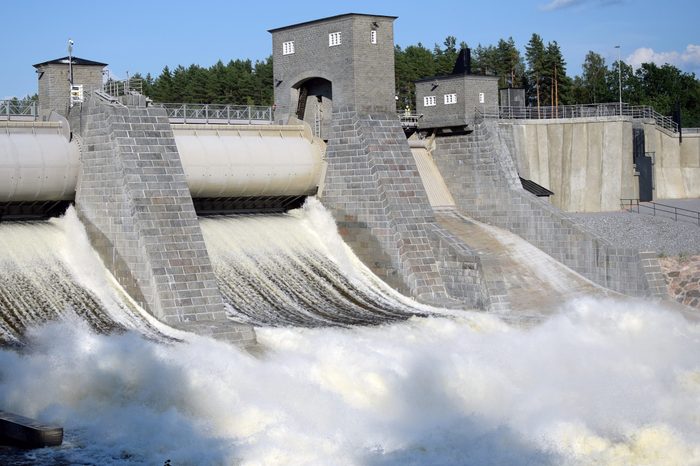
(315, 104)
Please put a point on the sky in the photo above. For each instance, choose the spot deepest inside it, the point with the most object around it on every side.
(144, 36)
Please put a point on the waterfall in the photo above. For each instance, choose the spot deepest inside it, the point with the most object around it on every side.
(294, 270)
(599, 381)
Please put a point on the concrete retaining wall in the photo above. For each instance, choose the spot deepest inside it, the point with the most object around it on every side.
(133, 198)
(483, 179)
(676, 164)
(587, 163)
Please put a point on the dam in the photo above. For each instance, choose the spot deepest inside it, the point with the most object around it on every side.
(402, 300)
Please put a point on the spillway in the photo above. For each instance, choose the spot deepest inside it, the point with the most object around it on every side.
(294, 270)
(600, 382)
(273, 270)
(49, 272)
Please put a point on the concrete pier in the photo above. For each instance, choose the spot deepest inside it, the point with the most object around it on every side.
(133, 198)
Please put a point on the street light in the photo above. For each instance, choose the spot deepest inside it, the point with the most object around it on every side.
(70, 61)
(619, 76)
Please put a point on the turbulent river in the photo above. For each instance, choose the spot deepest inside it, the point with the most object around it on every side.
(348, 372)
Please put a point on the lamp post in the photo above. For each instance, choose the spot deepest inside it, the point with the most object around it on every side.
(619, 76)
(70, 61)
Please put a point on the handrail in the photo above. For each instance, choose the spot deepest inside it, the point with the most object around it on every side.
(117, 88)
(588, 111)
(12, 109)
(409, 119)
(213, 113)
(655, 207)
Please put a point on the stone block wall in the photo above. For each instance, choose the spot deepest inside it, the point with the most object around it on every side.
(373, 188)
(466, 87)
(484, 182)
(133, 198)
(361, 72)
(683, 279)
(54, 87)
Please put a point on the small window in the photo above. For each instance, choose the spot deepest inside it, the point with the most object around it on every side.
(288, 48)
(373, 36)
(429, 101)
(333, 39)
(450, 99)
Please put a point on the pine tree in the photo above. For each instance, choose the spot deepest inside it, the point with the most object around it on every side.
(536, 69)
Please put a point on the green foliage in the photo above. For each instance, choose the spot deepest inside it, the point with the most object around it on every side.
(237, 82)
(542, 72)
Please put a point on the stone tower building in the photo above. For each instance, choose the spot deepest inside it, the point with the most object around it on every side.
(54, 83)
(332, 63)
(337, 74)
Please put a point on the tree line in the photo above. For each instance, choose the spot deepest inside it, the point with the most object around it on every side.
(236, 82)
(541, 70)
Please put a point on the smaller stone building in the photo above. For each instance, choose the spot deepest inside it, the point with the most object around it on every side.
(55, 86)
(453, 101)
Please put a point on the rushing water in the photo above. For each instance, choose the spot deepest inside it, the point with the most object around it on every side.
(600, 382)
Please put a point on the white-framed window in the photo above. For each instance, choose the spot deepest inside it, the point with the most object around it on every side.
(373, 36)
(288, 47)
(450, 99)
(333, 39)
(429, 101)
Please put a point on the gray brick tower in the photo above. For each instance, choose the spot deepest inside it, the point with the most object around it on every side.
(344, 65)
(54, 85)
(346, 59)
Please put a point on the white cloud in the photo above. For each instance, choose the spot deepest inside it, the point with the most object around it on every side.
(561, 4)
(689, 59)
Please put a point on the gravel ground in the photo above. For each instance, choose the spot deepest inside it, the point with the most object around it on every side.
(665, 236)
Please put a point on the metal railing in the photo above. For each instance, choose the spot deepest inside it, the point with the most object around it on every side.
(217, 113)
(117, 88)
(587, 111)
(409, 120)
(661, 210)
(18, 110)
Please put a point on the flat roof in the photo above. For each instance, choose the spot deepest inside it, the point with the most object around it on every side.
(75, 60)
(329, 18)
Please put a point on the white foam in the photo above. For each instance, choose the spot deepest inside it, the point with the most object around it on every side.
(606, 382)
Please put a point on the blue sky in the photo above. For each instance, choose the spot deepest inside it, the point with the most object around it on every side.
(147, 35)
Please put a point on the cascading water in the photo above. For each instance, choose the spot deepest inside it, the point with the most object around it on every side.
(602, 381)
(48, 271)
(294, 269)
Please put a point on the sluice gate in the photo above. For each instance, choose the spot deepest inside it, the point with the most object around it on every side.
(228, 168)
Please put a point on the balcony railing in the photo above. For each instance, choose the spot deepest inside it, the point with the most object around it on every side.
(215, 113)
(584, 111)
(117, 88)
(18, 110)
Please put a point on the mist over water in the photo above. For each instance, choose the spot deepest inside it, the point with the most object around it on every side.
(604, 382)
(600, 382)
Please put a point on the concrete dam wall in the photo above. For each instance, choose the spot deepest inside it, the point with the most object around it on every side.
(676, 164)
(589, 164)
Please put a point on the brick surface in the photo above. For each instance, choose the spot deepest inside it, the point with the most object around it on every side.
(484, 182)
(135, 203)
(374, 190)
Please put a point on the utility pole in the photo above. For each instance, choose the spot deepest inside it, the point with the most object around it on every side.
(619, 76)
